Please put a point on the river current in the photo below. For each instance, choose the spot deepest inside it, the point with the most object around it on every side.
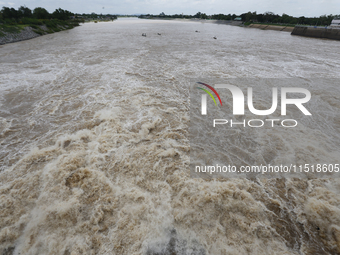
(95, 154)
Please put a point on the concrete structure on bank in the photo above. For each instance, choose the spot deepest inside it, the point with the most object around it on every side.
(271, 27)
(317, 32)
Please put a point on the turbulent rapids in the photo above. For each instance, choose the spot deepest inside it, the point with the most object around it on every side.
(94, 147)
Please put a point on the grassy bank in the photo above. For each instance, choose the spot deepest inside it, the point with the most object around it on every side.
(10, 29)
(23, 23)
(38, 26)
(271, 24)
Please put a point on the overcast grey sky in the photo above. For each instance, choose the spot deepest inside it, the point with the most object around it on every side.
(308, 8)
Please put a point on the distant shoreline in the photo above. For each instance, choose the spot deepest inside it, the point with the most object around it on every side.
(213, 21)
(235, 23)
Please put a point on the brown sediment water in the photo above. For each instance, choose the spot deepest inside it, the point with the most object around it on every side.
(94, 151)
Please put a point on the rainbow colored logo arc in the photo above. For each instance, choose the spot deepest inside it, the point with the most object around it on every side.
(209, 93)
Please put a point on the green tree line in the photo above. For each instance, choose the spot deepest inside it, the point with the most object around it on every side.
(249, 17)
(94, 15)
(8, 15)
(270, 17)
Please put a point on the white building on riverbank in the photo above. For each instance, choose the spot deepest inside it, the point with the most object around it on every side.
(335, 23)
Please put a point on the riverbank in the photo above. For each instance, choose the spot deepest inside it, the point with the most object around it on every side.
(317, 32)
(24, 34)
(16, 33)
(272, 27)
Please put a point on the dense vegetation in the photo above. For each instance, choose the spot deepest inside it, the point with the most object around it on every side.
(10, 15)
(13, 21)
(249, 17)
(99, 17)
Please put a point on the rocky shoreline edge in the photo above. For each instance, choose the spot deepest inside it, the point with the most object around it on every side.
(26, 34)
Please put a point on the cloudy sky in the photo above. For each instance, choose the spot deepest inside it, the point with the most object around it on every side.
(308, 8)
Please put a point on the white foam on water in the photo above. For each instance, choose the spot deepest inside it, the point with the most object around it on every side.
(95, 150)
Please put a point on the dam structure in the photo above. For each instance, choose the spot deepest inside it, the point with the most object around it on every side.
(328, 32)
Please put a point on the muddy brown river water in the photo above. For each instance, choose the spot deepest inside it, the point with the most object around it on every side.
(94, 149)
